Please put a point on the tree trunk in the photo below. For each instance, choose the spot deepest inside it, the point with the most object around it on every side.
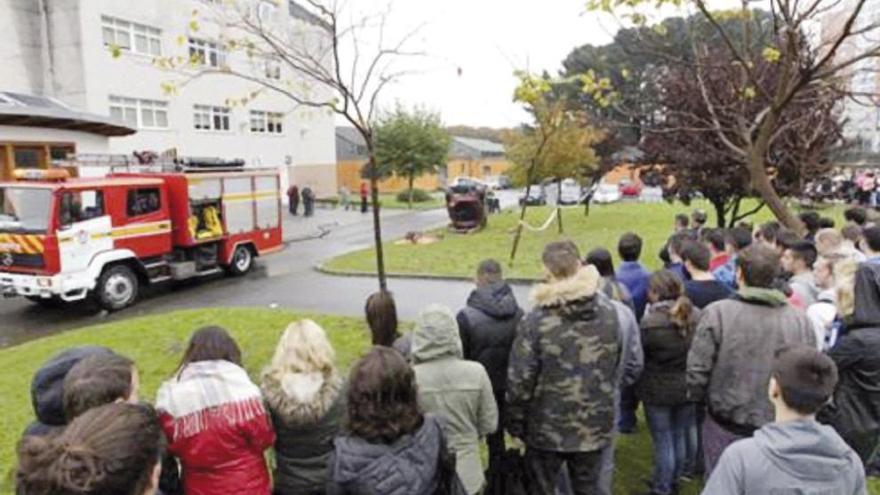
(377, 225)
(522, 216)
(559, 205)
(720, 212)
(761, 184)
(412, 178)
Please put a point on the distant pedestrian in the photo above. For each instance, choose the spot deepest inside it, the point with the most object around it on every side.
(736, 240)
(364, 193)
(293, 198)
(487, 326)
(794, 453)
(308, 199)
(698, 221)
(732, 353)
(797, 261)
(563, 373)
(714, 239)
(455, 389)
(344, 198)
(703, 289)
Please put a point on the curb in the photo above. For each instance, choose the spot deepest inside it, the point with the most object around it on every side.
(321, 268)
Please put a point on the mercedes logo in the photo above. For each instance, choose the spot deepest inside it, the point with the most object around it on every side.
(7, 259)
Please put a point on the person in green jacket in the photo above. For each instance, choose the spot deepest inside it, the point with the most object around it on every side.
(456, 389)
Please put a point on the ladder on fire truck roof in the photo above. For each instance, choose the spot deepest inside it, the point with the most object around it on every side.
(149, 161)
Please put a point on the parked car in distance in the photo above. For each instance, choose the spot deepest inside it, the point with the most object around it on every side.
(572, 192)
(651, 194)
(536, 196)
(606, 193)
(630, 189)
(467, 182)
(498, 182)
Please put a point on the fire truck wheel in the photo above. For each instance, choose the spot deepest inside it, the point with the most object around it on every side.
(242, 261)
(117, 288)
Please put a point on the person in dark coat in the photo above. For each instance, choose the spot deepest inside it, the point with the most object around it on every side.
(364, 192)
(563, 375)
(611, 287)
(47, 389)
(487, 327)
(293, 198)
(306, 401)
(308, 198)
(666, 333)
(855, 408)
(389, 447)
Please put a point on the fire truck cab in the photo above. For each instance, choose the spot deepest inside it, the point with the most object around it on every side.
(64, 240)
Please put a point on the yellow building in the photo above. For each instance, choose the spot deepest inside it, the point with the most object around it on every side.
(468, 157)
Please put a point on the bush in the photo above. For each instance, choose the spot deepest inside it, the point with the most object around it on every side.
(419, 196)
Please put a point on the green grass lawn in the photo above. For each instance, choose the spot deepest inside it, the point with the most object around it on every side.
(458, 255)
(157, 342)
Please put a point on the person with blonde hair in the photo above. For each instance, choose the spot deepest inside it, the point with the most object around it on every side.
(304, 394)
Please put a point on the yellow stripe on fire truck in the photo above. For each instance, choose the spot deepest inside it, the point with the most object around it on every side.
(249, 196)
(26, 244)
(126, 232)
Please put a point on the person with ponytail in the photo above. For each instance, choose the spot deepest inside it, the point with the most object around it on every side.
(667, 330)
(215, 420)
(110, 449)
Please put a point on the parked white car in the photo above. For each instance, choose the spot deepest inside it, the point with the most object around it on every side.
(606, 193)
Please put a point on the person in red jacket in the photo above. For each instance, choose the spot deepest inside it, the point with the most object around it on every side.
(364, 192)
(215, 421)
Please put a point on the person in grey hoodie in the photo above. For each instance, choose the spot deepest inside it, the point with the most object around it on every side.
(795, 454)
(457, 390)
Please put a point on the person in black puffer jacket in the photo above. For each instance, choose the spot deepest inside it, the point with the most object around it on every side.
(487, 327)
(854, 410)
(667, 330)
(306, 400)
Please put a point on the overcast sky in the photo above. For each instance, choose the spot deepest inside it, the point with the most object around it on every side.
(487, 40)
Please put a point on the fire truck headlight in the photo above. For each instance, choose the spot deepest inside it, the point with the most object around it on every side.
(44, 282)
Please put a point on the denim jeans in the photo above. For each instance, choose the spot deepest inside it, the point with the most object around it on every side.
(674, 433)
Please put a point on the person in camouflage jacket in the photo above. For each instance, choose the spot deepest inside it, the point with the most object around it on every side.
(563, 374)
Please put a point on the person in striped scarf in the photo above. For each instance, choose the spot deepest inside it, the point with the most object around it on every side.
(215, 420)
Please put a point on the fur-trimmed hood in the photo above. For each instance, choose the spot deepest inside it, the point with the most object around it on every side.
(582, 285)
(301, 398)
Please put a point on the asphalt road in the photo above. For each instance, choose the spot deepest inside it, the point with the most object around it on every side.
(285, 280)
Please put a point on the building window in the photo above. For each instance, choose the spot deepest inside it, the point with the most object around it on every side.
(267, 122)
(272, 69)
(133, 37)
(206, 53)
(138, 113)
(206, 118)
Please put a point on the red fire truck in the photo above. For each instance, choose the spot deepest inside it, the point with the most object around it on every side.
(64, 240)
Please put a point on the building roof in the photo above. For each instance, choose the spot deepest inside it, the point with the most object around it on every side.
(297, 11)
(351, 135)
(481, 145)
(37, 111)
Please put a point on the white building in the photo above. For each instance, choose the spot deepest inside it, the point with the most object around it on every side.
(64, 49)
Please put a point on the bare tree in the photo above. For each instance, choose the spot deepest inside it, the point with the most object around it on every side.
(849, 38)
(321, 55)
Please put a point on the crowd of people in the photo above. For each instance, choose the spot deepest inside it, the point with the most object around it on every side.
(755, 354)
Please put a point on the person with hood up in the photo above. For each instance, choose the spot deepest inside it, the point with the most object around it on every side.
(456, 389)
(215, 420)
(731, 355)
(306, 401)
(487, 327)
(854, 410)
(390, 447)
(794, 454)
(563, 375)
(47, 389)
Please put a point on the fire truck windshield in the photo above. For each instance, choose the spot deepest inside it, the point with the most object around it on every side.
(25, 210)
